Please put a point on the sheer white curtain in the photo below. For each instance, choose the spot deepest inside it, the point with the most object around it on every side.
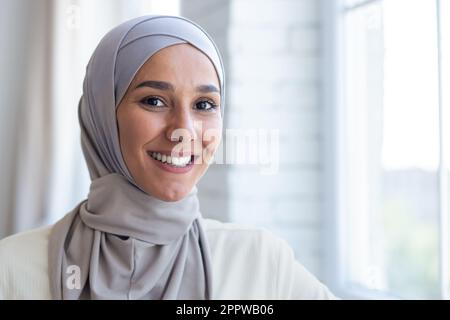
(46, 47)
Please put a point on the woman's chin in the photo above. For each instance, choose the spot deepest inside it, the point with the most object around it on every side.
(170, 193)
(173, 196)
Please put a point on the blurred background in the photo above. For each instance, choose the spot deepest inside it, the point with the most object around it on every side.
(359, 91)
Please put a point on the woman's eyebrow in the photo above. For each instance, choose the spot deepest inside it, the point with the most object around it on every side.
(206, 88)
(162, 85)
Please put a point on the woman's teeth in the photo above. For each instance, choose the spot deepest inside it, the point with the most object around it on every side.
(174, 161)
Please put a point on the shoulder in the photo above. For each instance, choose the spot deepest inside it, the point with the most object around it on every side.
(25, 241)
(245, 260)
(229, 234)
(216, 228)
(23, 265)
(260, 261)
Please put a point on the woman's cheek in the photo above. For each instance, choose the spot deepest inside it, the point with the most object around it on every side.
(145, 127)
(208, 153)
(211, 140)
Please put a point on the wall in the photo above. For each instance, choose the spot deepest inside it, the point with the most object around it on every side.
(272, 55)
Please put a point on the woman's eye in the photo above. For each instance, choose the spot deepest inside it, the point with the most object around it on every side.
(153, 102)
(206, 105)
(156, 103)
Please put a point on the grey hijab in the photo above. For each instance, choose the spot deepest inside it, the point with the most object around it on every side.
(122, 243)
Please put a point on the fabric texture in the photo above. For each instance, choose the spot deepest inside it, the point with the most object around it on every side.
(247, 263)
(123, 242)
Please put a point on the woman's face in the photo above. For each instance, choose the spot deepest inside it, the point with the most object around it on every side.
(175, 93)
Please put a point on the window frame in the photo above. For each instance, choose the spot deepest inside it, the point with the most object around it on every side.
(332, 13)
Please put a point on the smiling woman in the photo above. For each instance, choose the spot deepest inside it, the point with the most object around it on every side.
(153, 88)
(153, 111)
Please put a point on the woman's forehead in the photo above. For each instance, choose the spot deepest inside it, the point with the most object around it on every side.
(178, 62)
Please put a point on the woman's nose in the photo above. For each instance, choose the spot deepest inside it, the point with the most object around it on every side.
(182, 126)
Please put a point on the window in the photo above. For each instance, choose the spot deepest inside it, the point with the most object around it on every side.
(393, 134)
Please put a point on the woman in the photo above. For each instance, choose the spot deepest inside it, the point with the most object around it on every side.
(153, 88)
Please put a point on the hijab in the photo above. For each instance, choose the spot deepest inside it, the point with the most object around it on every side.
(121, 242)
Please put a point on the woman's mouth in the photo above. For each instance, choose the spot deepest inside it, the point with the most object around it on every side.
(172, 164)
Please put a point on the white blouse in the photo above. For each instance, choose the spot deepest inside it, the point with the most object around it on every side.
(247, 263)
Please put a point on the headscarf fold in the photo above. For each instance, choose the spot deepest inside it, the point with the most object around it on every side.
(122, 243)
